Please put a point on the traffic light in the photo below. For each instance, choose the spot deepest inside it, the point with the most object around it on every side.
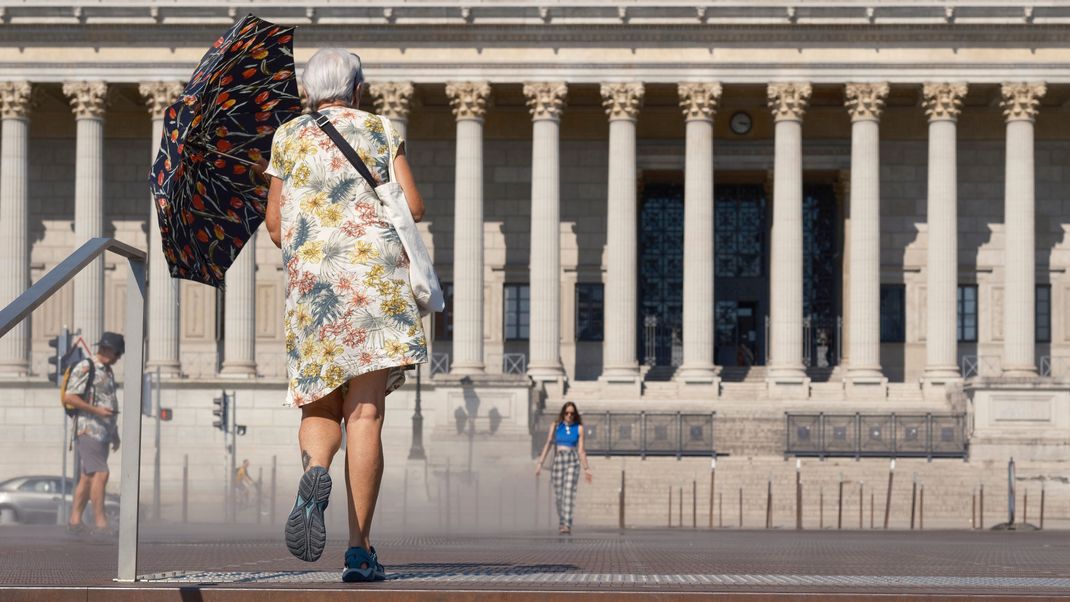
(221, 412)
(165, 414)
(61, 343)
(240, 429)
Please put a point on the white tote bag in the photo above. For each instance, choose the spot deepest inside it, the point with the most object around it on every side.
(422, 278)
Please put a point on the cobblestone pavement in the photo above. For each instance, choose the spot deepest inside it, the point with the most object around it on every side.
(931, 562)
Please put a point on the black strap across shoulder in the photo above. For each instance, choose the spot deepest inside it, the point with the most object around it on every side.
(347, 150)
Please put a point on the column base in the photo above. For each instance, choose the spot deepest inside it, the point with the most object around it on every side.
(788, 382)
(15, 370)
(238, 369)
(865, 385)
(554, 382)
(1025, 371)
(468, 368)
(698, 375)
(624, 378)
(934, 382)
(167, 370)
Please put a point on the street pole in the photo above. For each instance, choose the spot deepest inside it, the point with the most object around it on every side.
(156, 475)
(233, 452)
(416, 452)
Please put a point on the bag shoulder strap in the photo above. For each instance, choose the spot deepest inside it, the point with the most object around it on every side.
(92, 374)
(388, 132)
(328, 128)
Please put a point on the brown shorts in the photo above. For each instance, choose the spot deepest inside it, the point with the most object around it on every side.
(92, 454)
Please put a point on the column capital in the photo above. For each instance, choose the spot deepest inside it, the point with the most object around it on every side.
(699, 100)
(546, 100)
(16, 99)
(865, 101)
(393, 100)
(788, 100)
(88, 99)
(623, 100)
(468, 99)
(159, 95)
(943, 100)
(1021, 100)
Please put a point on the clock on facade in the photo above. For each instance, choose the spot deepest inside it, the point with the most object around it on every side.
(740, 123)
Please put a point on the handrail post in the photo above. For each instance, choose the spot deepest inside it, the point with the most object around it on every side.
(130, 488)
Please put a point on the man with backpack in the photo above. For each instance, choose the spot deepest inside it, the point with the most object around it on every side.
(90, 393)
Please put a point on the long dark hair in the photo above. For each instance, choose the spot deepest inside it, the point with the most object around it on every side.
(561, 414)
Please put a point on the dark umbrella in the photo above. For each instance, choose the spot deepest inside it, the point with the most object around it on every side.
(208, 200)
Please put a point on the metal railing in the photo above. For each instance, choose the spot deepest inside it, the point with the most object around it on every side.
(648, 434)
(514, 363)
(1055, 366)
(981, 365)
(440, 363)
(130, 471)
(876, 435)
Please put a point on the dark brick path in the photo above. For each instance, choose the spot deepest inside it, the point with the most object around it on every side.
(931, 562)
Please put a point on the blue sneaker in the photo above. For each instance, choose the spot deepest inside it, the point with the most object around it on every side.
(380, 570)
(306, 534)
(360, 566)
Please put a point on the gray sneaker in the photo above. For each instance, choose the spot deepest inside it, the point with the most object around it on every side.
(306, 534)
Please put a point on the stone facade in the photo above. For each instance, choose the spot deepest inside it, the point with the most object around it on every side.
(536, 153)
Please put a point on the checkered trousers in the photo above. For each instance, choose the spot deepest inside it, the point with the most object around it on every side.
(565, 475)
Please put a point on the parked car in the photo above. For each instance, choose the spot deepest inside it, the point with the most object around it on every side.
(36, 499)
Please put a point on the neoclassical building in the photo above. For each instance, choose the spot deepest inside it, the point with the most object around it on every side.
(747, 208)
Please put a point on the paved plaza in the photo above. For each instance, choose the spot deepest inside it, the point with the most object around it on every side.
(216, 559)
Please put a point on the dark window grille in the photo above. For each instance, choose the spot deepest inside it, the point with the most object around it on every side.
(1043, 314)
(590, 303)
(444, 319)
(967, 313)
(517, 311)
(893, 313)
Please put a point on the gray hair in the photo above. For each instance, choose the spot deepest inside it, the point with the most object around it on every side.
(331, 74)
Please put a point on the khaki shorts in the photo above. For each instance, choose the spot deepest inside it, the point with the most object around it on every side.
(92, 454)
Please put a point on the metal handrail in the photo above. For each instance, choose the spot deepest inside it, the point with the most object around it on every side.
(130, 472)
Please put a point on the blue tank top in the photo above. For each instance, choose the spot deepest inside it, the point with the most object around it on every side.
(567, 435)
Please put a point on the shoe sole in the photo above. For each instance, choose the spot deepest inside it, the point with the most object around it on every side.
(359, 575)
(306, 534)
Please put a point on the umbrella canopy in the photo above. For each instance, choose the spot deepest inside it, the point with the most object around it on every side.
(208, 200)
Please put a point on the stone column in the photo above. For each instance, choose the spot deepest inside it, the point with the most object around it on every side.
(469, 102)
(865, 102)
(239, 315)
(88, 101)
(699, 104)
(15, 105)
(162, 308)
(788, 102)
(546, 100)
(622, 102)
(943, 104)
(393, 100)
(1021, 102)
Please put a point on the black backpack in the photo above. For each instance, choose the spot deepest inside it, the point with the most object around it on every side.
(76, 358)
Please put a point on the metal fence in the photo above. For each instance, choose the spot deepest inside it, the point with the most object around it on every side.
(876, 435)
(649, 434)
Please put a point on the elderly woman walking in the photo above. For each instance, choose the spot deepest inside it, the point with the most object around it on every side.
(352, 324)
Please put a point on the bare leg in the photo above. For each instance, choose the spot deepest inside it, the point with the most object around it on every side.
(320, 434)
(363, 410)
(81, 496)
(96, 495)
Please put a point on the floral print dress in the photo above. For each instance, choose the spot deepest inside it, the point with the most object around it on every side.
(349, 306)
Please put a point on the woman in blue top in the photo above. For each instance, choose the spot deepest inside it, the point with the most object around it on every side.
(567, 437)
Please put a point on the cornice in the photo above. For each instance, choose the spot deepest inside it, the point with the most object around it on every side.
(563, 35)
(582, 72)
(862, 13)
